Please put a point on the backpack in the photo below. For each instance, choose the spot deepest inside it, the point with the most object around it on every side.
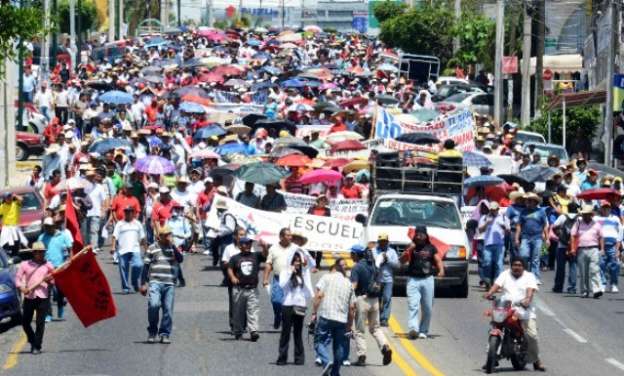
(374, 286)
(564, 232)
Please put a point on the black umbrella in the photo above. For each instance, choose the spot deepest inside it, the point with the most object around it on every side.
(418, 138)
(104, 145)
(538, 173)
(100, 85)
(510, 179)
(305, 149)
(605, 170)
(326, 107)
(276, 124)
(387, 99)
(251, 119)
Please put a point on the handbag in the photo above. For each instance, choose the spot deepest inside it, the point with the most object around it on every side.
(299, 310)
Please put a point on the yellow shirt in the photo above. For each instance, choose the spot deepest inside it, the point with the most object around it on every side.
(450, 153)
(563, 202)
(10, 212)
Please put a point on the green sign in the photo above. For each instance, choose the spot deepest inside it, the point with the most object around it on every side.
(373, 23)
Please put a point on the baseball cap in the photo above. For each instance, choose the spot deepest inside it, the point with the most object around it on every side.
(245, 240)
(208, 180)
(357, 249)
(382, 236)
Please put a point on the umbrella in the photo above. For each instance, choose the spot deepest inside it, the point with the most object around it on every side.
(538, 173)
(348, 145)
(232, 82)
(191, 90)
(599, 194)
(151, 70)
(605, 170)
(321, 176)
(274, 71)
(475, 159)
(204, 154)
(387, 99)
(511, 179)
(305, 149)
(276, 124)
(154, 79)
(211, 61)
(288, 141)
(229, 70)
(263, 85)
(104, 145)
(192, 108)
(197, 99)
(313, 29)
(293, 83)
(328, 85)
(253, 42)
(299, 107)
(388, 68)
(72, 183)
(418, 138)
(294, 160)
(251, 119)
(154, 141)
(283, 151)
(232, 148)
(261, 173)
(154, 165)
(211, 77)
(326, 107)
(356, 165)
(482, 181)
(238, 129)
(116, 97)
(290, 37)
(336, 162)
(207, 132)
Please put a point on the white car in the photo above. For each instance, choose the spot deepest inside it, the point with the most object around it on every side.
(449, 80)
(480, 103)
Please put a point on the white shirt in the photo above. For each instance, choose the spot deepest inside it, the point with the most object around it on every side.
(515, 289)
(186, 198)
(97, 196)
(129, 236)
(62, 98)
(278, 257)
(229, 251)
(43, 99)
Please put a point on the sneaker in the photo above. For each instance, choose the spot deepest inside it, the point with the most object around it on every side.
(165, 340)
(614, 289)
(280, 363)
(151, 339)
(346, 363)
(361, 362)
(597, 295)
(318, 362)
(539, 283)
(254, 336)
(327, 369)
(422, 336)
(36, 351)
(387, 355)
(412, 334)
(206, 253)
(48, 318)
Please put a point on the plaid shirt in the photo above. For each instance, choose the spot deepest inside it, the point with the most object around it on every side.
(338, 296)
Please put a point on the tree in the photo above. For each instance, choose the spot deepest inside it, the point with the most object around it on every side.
(17, 23)
(581, 122)
(476, 35)
(388, 9)
(87, 13)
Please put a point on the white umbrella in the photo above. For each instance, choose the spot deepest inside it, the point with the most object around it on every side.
(343, 136)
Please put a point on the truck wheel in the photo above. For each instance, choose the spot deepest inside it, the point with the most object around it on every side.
(21, 153)
(461, 291)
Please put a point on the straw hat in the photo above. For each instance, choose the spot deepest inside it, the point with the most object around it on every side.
(587, 209)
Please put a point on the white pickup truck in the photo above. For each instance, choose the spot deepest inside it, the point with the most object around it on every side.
(394, 214)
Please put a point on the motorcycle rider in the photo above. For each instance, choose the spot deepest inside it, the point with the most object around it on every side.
(520, 286)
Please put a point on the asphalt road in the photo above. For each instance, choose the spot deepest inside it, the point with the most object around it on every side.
(577, 337)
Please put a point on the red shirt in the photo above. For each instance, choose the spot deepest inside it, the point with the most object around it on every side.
(351, 192)
(339, 127)
(121, 202)
(161, 212)
(48, 191)
(204, 200)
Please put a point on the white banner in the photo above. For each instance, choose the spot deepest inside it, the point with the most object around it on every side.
(323, 233)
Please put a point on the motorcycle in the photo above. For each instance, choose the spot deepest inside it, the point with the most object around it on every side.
(506, 336)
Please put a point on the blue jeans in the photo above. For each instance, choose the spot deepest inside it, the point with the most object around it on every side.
(492, 262)
(130, 265)
(149, 231)
(480, 260)
(419, 296)
(560, 270)
(385, 301)
(530, 250)
(331, 331)
(160, 296)
(609, 266)
(277, 298)
(44, 110)
(321, 348)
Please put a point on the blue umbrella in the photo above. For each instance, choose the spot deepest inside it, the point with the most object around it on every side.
(154, 141)
(116, 97)
(106, 144)
(207, 132)
(476, 159)
(192, 108)
(482, 181)
(296, 83)
(232, 148)
(253, 42)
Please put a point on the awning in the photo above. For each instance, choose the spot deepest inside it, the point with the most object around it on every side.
(559, 63)
(577, 99)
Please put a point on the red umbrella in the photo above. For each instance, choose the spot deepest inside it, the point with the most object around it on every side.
(599, 194)
(351, 103)
(321, 176)
(228, 70)
(337, 162)
(348, 145)
(197, 99)
(211, 77)
(294, 160)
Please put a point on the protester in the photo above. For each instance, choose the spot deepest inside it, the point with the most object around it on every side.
(320, 208)
(565, 254)
(589, 246)
(611, 233)
(386, 261)
(277, 262)
(423, 262)
(127, 242)
(33, 279)
(11, 235)
(531, 232)
(181, 230)
(494, 226)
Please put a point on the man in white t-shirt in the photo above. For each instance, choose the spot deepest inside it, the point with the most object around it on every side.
(520, 286)
(97, 213)
(183, 196)
(128, 240)
(43, 100)
(277, 261)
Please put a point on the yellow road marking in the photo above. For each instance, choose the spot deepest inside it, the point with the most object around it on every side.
(401, 363)
(411, 349)
(14, 354)
(329, 259)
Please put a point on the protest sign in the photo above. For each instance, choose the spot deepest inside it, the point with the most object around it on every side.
(307, 130)
(323, 233)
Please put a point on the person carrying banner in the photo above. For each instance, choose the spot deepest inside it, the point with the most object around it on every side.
(33, 278)
(159, 276)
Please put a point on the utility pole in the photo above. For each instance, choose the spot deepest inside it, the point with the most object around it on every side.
(613, 45)
(72, 30)
(498, 62)
(525, 115)
(45, 46)
(283, 12)
(7, 121)
(302, 13)
(513, 35)
(79, 35)
(179, 13)
(20, 80)
(540, 7)
(163, 13)
(111, 20)
(456, 44)
(54, 51)
(210, 14)
(121, 17)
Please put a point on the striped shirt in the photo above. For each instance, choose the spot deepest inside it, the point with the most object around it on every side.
(162, 265)
(338, 296)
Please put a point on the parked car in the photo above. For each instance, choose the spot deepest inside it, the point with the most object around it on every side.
(32, 211)
(445, 91)
(546, 150)
(527, 137)
(32, 119)
(9, 294)
(28, 144)
(480, 103)
(449, 80)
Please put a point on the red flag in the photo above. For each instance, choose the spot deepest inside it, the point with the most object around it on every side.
(81, 280)
(72, 224)
(441, 246)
